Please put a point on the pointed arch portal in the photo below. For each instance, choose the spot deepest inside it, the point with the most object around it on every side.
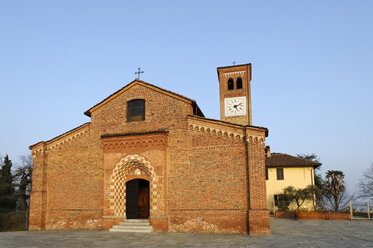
(132, 188)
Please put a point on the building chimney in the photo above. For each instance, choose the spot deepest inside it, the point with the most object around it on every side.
(268, 151)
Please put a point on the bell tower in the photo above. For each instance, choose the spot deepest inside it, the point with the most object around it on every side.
(235, 94)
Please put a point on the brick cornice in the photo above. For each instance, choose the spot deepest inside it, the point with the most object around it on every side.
(130, 141)
(218, 132)
(214, 122)
(255, 139)
(133, 134)
(215, 128)
(234, 132)
(255, 136)
(38, 149)
(66, 140)
(62, 139)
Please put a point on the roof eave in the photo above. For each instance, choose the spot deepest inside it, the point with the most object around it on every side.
(32, 146)
(234, 66)
(292, 166)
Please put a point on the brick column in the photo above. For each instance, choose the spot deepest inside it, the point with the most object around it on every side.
(258, 216)
(38, 197)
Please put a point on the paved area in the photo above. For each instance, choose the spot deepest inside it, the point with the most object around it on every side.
(285, 233)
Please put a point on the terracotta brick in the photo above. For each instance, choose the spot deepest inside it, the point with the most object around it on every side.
(204, 175)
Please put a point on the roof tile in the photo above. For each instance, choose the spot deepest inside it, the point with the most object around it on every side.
(286, 160)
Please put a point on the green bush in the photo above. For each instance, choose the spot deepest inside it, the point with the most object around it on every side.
(13, 221)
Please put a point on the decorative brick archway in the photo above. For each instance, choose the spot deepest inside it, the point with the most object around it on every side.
(128, 168)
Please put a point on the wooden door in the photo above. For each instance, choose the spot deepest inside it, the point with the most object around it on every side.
(143, 200)
(132, 193)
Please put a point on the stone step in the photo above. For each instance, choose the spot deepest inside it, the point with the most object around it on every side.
(137, 221)
(131, 227)
(134, 224)
(131, 230)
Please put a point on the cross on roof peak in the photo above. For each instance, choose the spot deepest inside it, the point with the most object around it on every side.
(138, 73)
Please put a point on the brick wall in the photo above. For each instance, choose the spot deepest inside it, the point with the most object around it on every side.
(211, 182)
(198, 170)
(258, 213)
(69, 183)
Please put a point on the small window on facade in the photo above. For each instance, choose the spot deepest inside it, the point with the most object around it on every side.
(230, 84)
(276, 199)
(239, 83)
(280, 201)
(266, 174)
(280, 173)
(136, 110)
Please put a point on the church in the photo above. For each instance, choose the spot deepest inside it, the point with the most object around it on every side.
(149, 154)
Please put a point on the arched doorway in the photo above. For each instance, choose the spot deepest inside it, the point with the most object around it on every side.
(130, 168)
(137, 199)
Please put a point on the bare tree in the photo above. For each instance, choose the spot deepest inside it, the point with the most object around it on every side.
(23, 183)
(23, 176)
(343, 201)
(366, 184)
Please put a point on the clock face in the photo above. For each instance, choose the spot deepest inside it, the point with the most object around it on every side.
(235, 106)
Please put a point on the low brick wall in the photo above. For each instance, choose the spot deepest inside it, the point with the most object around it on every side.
(312, 215)
(323, 216)
(284, 215)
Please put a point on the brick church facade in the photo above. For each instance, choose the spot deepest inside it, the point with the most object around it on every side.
(150, 153)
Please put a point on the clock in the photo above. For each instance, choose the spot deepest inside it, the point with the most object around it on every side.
(235, 106)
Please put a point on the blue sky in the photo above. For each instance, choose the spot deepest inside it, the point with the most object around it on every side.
(312, 64)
